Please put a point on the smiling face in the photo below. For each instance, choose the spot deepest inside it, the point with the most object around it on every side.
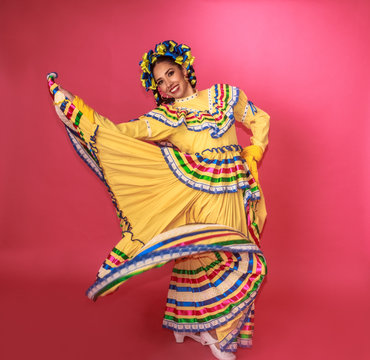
(171, 79)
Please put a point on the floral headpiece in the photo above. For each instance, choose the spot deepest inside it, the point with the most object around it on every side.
(181, 55)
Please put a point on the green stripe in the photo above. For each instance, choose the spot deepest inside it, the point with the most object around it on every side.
(120, 253)
(197, 271)
(223, 108)
(122, 279)
(246, 336)
(256, 227)
(214, 263)
(205, 177)
(232, 242)
(210, 118)
(167, 114)
(263, 261)
(78, 117)
(218, 315)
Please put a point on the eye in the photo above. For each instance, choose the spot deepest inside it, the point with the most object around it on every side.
(170, 73)
(159, 82)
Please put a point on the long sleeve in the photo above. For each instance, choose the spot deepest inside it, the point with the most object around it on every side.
(254, 119)
(144, 128)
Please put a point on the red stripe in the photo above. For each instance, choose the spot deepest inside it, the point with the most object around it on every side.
(114, 260)
(211, 169)
(251, 229)
(219, 307)
(215, 272)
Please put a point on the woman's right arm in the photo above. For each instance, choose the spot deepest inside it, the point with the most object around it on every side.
(144, 128)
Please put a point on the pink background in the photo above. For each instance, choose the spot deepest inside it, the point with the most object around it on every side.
(304, 62)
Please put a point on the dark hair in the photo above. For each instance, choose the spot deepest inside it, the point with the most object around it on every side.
(170, 59)
(165, 58)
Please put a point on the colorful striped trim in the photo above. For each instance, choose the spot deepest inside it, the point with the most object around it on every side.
(214, 176)
(124, 222)
(228, 343)
(160, 250)
(218, 119)
(86, 150)
(84, 153)
(212, 324)
(245, 112)
(253, 107)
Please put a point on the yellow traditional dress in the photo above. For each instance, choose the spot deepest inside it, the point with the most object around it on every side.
(188, 197)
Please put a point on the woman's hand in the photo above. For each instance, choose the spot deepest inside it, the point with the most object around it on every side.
(66, 93)
(251, 154)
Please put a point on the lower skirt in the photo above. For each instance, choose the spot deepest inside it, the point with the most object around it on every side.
(217, 274)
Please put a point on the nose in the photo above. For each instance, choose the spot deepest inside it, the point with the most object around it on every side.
(168, 83)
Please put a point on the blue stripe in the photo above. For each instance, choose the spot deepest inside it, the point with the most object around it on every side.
(63, 105)
(219, 162)
(170, 254)
(218, 282)
(250, 265)
(215, 131)
(193, 184)
(213, 300)
(55, 90)
(162, 243)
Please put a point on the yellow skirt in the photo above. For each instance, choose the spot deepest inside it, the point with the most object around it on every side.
(204, 212)
(219, 267)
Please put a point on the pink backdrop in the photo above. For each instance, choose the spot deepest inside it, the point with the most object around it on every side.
(305, 62)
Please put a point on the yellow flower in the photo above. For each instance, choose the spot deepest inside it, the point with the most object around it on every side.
(153, 85)
(144, 65)
(179, 60)
(172, 45)
(161, 49)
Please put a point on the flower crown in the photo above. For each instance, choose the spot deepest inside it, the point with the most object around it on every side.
(181, 55)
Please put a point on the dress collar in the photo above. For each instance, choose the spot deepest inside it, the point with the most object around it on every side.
(192, 96)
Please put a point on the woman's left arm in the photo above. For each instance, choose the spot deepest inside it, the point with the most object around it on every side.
(254, 119)
(258, 122)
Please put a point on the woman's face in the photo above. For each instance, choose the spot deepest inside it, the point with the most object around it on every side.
(171, 80)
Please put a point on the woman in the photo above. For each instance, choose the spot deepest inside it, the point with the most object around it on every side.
(193, 198)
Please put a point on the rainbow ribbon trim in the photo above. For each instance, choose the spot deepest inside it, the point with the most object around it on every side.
(180, 242)
(211, 174)
(226, 282)
(217, 119)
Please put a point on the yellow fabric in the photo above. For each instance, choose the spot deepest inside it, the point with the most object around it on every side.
(252, 154)
(253, 151)
(150, 197)
(258, 123)
(140, 179)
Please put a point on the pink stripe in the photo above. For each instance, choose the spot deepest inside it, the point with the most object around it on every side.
(250, 228)
(114, 260)
(169, 110)
(70, 111)
(249, 327)
(211, 169)
(215, 272)
(207, 116)
(259, 265)
(219, 307)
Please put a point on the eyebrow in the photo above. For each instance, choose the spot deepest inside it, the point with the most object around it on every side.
(171, 68)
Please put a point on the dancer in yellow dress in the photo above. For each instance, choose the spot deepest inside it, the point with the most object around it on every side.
(184, 190)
